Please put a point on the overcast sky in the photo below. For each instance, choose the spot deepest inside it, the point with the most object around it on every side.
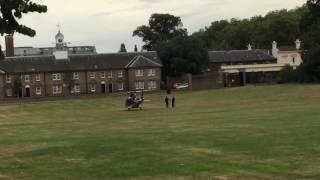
(108, 23)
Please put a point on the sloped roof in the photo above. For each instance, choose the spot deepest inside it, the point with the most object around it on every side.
(141, 61)
(74, 63)
(239, 56)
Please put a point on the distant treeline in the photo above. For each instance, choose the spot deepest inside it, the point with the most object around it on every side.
(282, 26)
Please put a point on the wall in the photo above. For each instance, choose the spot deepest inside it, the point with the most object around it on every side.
(145, 78)
(209, 80)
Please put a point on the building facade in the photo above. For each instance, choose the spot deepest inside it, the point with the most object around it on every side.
(41, 76)
(241, 67)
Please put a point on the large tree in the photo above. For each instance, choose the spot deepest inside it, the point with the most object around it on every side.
(310, 28)
(183, 54)
(11, 11)
(161, 28)
(123, 48)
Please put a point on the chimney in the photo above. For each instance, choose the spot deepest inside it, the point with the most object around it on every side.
(298, 44)
(275, 49)
(9, 45)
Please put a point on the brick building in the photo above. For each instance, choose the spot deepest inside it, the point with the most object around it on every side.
(40, 76)
(64, 74)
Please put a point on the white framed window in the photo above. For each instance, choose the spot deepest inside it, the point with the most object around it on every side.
(57, 89)
(75, 75)
(76, 89)
(27, 78)
(152, 85)
(110, 74)
(139, 72)
(38, 90)
(120, 87)
(9, 92)
(139, 85)
(38, 77)
(92, 88)
(103, 75)
(56, 76)
(8, 78)
(120, 74)
(151, 72)
(92, 75)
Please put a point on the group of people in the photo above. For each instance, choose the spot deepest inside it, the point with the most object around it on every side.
(173, 102)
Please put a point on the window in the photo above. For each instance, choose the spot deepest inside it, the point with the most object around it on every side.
(8, 78)
(75, 75)
(93, 88)
(26, 78)
(56, 76)
(151, 72)
(92, 75)
(9, 92)
(152, 85)
(38, 90)
(120, 86)
(76, 89)
(38, 77)
(120, 74)
(110, 74)
(139, 85)
(57, 89)
(103, 75)
(139, 72)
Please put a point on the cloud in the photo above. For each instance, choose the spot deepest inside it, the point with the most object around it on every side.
(108, 23)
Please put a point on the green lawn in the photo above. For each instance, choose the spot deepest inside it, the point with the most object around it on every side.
(264, 132)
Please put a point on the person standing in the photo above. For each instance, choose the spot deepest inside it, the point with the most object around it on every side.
(173, 102)
(167, 102)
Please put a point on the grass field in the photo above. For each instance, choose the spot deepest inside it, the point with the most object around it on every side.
(264, 132)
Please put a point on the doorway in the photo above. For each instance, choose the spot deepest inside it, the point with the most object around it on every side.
(28, 92)
(103, 88)
(110, 88)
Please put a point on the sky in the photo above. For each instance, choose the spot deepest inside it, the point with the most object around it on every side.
(108, 23)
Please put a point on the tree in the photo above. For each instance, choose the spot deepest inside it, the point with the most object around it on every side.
(135, 48)
(310, 28)
(310, 24)
(11, 10)
(161, 28)
(123, 48)
(260, 31)
(183, 54)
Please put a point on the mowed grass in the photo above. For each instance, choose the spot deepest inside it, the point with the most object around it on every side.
(264, 132)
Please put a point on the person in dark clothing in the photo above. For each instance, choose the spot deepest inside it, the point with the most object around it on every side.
(173, 102)
(167, 102)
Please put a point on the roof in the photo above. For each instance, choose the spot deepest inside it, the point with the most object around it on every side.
(239, 56)
(78, 62)
(287, 48)
(141, 61)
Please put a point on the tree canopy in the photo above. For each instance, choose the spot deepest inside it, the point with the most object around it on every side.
(260, 31)
(161, 27)
(183, 54)
(123, 48)
(11, 10)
